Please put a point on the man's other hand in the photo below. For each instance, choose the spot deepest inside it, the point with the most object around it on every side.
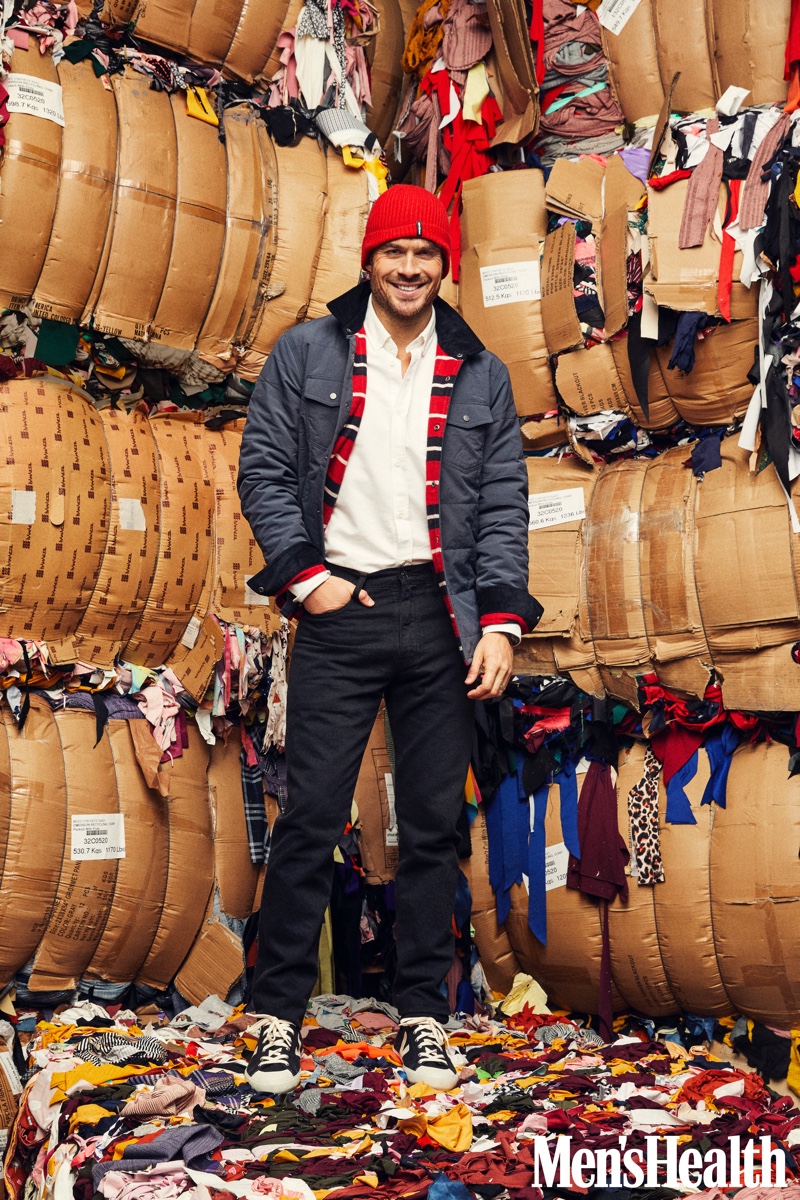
(493, 661)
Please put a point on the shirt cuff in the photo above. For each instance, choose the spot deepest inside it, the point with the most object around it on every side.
(303, 588)
(513, 630)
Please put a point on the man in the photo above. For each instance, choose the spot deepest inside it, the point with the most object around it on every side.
(382, 475)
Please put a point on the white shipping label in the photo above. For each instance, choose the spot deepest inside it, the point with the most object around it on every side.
(190, 634)
(615, 14)
(10, 1071)
(23, 507)
(391, 832)
(99, 836)
(251, 597)
(556, 859)
(510, 282)
(556, 508)
(131, 514)
(34, 97)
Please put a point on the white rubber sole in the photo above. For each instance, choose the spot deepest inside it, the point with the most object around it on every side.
(440, 1080)
(274, 1083)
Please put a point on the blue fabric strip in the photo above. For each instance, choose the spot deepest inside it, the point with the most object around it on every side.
(720, 748)
(537, 892)
(568, 785)
(679, 810)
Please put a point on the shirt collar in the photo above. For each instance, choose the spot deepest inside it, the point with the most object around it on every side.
(380, 338)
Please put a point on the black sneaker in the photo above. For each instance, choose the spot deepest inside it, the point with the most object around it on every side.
(275, 1063)
(421, 1043)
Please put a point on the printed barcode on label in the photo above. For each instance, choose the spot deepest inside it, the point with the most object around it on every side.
(95, 832)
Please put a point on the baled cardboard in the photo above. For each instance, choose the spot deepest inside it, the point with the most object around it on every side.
(55, 503)
(385, 52)
(688, 279)
(498, 959)
(685, 43)
(143, 217)
(636, 964)
(503, 224)
(34, 808)
(240, 281)
(765, 680)
(274, 60)
(755, 886)
(683, 903)
(562, 329)
(344, 224)
(190, 874)
(300, 190)
(185, 541)
(575, 189)
(633, 66)
(213, 965)
(750, 47)
(31, 159)
(129, 558)
(716, 391)
(374, 798)
(86, 887)
(543, 433)
(661, 412)
(199, 232)
(142, 873)
(236, 874)
(237, 556)
(87, 170)
(588, 381)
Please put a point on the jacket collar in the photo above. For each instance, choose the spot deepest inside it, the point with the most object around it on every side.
(452, 331)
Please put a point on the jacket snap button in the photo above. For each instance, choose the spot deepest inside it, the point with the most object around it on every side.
(466, 418)
(436, 428)
(333, 395)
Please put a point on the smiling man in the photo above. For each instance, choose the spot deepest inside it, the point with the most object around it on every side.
(382, 475)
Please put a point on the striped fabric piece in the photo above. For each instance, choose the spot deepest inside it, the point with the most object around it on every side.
(444, 377)
(346, 439)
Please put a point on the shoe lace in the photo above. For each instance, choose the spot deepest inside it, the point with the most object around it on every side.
(278, 1038)
(430, 1037)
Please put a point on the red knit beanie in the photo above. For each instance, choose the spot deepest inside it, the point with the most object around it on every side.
(405, 211)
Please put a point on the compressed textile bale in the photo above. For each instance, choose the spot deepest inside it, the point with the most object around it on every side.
(29, 194)
(199, 233)
(86, 174)
(241, 281)
(33, 810)
(750, 47)
(129, 558)
(716, 391)
(385, 53)
(344, 224)
(302, 182)
(503, 225)
(55, 504)
(190, 873)
(568, 967)
(236, 874)
(86, 886)
(142, 874)
(237, 556)
(143, 214)
(633, 65)
(497, 956)
(636, 964)
(755, 886)
(185, 540)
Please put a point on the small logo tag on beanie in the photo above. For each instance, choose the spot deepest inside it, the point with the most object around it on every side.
(419, 228)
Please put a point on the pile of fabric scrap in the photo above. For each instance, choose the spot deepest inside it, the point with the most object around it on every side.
(121, 1104)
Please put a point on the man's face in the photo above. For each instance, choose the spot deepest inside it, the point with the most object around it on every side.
(405, 276)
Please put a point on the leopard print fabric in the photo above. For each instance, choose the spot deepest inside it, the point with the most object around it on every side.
(643, 817)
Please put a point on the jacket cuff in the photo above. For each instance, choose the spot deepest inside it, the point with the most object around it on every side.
(501, 605)
(276, 576)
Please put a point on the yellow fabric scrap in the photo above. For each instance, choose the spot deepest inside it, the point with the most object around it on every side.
(452, 1129)
(62, 1081)
(476, 89)
(88, 1114)
(525, 990)
(793, 1076)
(198, 105)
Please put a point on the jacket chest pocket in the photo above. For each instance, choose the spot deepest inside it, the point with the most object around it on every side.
(465, 435)
(319, 410)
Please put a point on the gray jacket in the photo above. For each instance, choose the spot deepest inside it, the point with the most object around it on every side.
(298, 407)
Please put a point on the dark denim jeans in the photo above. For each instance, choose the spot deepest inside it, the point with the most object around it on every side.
(342, 664)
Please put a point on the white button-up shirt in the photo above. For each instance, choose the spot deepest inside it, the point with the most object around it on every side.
(380, 519)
